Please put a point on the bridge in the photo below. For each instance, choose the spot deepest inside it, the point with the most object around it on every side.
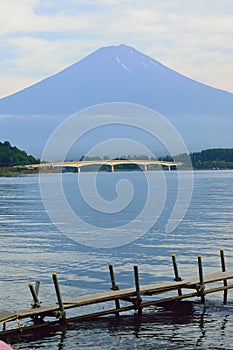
(145, 164)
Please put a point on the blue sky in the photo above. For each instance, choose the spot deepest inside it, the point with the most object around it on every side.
(41, 37)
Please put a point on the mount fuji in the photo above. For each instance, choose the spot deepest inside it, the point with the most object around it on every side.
(202, 114)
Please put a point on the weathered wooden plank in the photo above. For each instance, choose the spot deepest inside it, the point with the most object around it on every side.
(218, 289)
(4, 314)
(211, 278)
(112, 295)
(149, 289)
(28, 313)
(98, 298)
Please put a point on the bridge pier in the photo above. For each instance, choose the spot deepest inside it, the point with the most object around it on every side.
(78, 169)
(145, 167)
(112, 168)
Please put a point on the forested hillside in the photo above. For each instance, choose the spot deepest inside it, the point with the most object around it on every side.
(216, 158)
(11, 156)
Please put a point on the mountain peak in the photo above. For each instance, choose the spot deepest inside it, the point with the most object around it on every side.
(118, 74)
(127, 58)
(113, 74)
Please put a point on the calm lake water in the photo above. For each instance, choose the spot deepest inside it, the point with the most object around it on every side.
(32, 248)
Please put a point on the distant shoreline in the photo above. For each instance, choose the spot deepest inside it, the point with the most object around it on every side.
(9, 171)
(16, 172)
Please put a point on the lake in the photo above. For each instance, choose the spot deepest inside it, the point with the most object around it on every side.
(32, 247)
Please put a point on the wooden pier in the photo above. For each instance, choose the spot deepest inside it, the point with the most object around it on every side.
(159, 293)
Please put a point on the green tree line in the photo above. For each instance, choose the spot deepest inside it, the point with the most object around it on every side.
(11, 156)
(216, 158)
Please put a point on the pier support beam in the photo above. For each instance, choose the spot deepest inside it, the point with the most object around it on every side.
(36, 302)
(223, 270)
(176, 273)
(114, 287)
(201, 280)
(62, 313)
(138, 300)
(37, 287)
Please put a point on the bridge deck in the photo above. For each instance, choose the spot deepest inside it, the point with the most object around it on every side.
(111, 162)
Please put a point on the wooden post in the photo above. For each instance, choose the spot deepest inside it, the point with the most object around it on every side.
(176, 273)
(223, 270)
(114, 287)
(36, 302)
(201, 279)
(37, 287)
(62, 313)
(138, 295)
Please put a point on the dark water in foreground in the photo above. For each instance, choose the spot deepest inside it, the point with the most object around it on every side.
(32, 248)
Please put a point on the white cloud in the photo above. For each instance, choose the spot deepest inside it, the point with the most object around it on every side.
(21, 17)
(40, 37)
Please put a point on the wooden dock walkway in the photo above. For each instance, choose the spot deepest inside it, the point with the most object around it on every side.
(193, 287)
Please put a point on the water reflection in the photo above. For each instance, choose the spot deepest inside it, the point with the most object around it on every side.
(179, 325)
(32, 248)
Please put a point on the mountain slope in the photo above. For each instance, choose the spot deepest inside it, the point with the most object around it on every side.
(202, 114)
(118, 73)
